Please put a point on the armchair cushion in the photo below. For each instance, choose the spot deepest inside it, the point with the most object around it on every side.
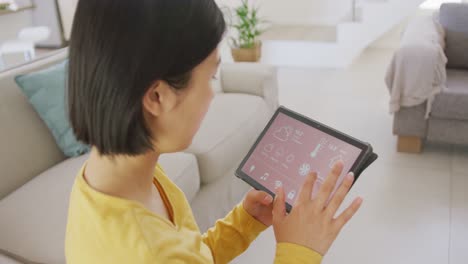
(453, 101)
(454, 19)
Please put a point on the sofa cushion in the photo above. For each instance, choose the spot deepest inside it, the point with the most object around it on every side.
(46, 91)
(182, 168)
(24, 137)
(229, 129)
(448, 131)
(216, 85)
(7, 260)
(7, 257)
(453, 101)
(33, 218)
(215, 200)
(454, 19)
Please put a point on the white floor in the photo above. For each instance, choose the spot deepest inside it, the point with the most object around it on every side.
(415, 206)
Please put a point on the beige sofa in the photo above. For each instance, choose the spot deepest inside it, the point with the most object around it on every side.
(36, 178)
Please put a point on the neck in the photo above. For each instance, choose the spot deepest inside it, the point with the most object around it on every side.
(122, 176)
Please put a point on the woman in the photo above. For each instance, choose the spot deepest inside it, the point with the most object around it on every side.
(139, 86)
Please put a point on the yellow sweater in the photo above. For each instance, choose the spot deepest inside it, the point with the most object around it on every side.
(103, 229)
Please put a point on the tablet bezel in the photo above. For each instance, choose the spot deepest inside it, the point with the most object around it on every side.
(365, 148)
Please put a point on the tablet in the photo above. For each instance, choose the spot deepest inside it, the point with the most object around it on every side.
(291, 146)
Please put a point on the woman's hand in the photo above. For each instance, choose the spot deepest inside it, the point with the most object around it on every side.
(259, 204)
(312, 222)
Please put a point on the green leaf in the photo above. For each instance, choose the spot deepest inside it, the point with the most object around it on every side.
(248, 25)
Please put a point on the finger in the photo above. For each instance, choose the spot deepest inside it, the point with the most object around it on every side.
(265, 198)
(255, 196)
(339, 196)
(279, 207)
(328, 185)
(305, 193)
(342, 219)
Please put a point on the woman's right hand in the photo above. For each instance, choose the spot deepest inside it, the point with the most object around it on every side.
(311, 222)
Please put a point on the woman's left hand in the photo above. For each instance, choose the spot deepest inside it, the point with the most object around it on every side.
(259, 204)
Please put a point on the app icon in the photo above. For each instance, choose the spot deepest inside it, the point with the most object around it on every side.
(283, 133)
(332, 147)
(304, 169)
(278, 184)
(319, 146)
(299, 133)
(265, 176)
(335, 160)
(279, 152)
(269, 148)
(314, 153)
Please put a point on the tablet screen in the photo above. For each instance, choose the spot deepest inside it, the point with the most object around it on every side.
(290, 150)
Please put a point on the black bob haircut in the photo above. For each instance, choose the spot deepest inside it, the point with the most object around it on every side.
(118, 49)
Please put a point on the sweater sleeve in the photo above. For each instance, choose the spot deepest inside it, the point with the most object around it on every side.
(232, 235)
(292, 253)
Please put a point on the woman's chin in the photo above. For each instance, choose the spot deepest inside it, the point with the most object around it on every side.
(184, 146)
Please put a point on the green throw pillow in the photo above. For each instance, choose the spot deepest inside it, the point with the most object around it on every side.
(46, 90)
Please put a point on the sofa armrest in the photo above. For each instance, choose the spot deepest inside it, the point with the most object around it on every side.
(7, 260)
(418, 68)
(410, 121)
(254, 79)
(7, 257)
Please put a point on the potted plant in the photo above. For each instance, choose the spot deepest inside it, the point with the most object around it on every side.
(246, 46)
(4, 5)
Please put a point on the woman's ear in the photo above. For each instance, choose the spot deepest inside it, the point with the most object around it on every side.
(159, 98)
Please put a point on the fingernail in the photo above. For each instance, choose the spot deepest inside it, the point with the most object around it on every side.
(359, 200)
(339, 163)
(268, 199)
(350, 176)
(279, 191)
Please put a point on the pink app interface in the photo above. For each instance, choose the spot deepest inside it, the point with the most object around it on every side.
(290, 150)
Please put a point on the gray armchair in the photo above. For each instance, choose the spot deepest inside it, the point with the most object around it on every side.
(434, 104)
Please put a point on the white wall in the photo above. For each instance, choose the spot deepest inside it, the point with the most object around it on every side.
(391, 39)
(45, 14)
(23, 2)
(300, 12)
(67, 12)
(11, 24)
